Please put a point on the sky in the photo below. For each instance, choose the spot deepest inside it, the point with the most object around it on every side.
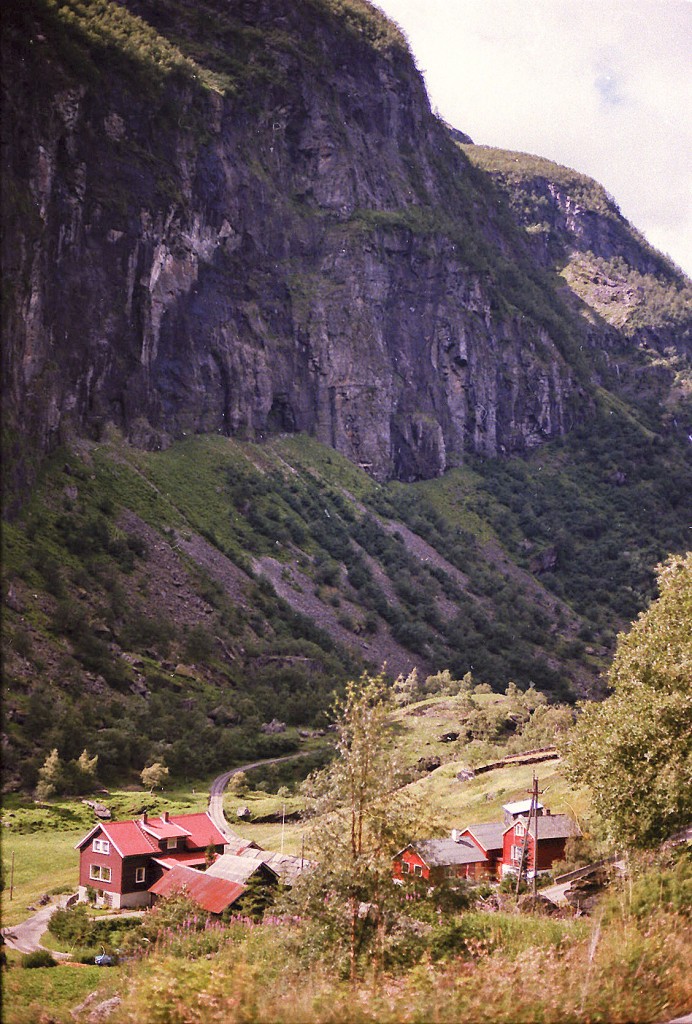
(603, 86)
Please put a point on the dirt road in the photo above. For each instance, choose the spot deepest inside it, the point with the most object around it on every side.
(221, 781)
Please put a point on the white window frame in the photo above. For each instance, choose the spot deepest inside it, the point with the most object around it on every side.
(519, 830)
(418, 870)
(99, 872)
(405, 867)
(171, 844)
(140, 876)
(101, 846)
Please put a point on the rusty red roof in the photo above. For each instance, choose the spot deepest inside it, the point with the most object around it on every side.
(203, 831)
(212, 894)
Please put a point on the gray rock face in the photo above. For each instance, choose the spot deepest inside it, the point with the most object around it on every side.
(313, 255)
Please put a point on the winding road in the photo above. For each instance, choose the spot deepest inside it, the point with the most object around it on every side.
(25, 937)
(221, 781)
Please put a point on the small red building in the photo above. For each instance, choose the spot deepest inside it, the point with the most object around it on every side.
(438, 859)
(489, 838)
(209, 892)
(121, 860)
(551, 832)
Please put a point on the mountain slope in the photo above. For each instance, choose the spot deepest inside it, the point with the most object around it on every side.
(240, 251)
(290, 241)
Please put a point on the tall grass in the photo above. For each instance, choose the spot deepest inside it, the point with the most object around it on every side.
(623, 972)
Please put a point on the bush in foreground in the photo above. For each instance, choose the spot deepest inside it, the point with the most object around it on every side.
(39, 958)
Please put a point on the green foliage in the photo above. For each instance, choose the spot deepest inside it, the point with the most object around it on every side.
(55, 777)
(39, 958)
(660, 886)
(154, 776)
(76, 930)
(364, 818)
(111, 29)
(634, 750)
(521, 168)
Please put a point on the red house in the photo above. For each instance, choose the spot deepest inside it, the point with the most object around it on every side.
(492, 849)
(489, 838)
(438, 859)
(121, 860)
(547, 832)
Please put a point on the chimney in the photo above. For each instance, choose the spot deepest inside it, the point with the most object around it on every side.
(455, 835)
(144, 818)
(546, 811)
(164, 816)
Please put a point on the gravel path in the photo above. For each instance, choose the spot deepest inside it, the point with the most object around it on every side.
(221, 781)
(25, 937)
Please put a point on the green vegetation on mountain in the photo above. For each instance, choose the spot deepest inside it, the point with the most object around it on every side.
(178, 618)
(634, 750)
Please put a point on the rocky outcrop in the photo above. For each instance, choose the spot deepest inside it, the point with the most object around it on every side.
(310, 254)
(281, 237)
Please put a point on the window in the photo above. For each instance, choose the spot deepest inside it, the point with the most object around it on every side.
(519, 830)
(100, 873)
(101, 846)
(139, 875)
(417, 869)
(405, 867)
(171, 844)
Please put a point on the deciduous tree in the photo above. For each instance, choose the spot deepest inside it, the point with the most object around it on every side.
(634, 750)
(51, 776)
(154, 775)
(362, 817)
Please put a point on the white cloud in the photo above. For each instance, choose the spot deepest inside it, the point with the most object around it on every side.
(604, 86)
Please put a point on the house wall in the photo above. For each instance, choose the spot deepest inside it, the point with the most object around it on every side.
(129, 873)
(132, 900)
(549, 851)
(487, 869)
(471, 871)
(411, 859)
(88, 857)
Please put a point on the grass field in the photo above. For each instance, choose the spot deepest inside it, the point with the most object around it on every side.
(27, 994)
(457, 804)
(42, 862)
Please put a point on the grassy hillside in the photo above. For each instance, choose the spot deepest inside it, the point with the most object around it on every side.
(164, 605)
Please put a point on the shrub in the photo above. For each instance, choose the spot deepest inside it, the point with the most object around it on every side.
(39, 958)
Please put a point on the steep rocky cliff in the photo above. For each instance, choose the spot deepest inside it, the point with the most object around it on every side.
(635, 306)
(279, 237)
(244, 218)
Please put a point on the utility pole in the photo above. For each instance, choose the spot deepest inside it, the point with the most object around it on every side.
(533, 816)
(534, 804)
(12, 876)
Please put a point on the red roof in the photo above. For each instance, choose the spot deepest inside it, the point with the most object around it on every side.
(191, 860)
(131, 840)
(212, 894)
(203, 831)
(126, 836)
(163, 829)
